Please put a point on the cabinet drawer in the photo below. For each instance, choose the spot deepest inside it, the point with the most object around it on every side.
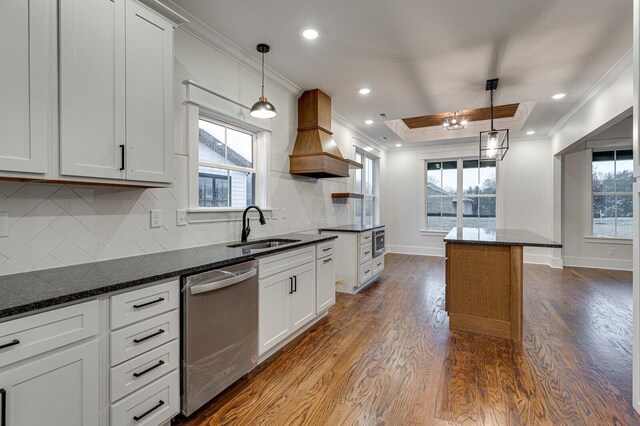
(138, 372)
(150, 406)
(144, 336)
(366, 251)
(366, 272)
(138, 305)
(325, 249)
(378, 265)
(29, 336)
(281, 262)
(366, 237)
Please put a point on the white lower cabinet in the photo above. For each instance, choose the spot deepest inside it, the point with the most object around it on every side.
(325, 283)
(59, 389)
(288, 292)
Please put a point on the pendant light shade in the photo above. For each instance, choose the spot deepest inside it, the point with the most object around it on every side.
(494, 144)
(263, 108)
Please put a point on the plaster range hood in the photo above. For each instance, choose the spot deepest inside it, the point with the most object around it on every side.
(315, 153)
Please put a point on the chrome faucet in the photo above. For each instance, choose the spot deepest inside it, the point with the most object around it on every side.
(246, 230)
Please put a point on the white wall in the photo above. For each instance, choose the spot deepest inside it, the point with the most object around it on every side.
(55, 225)
(579, 249)
(524, 195)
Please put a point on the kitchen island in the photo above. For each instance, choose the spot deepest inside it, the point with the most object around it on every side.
(484, 281)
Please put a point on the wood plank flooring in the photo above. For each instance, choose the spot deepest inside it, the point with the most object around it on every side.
(386, 356)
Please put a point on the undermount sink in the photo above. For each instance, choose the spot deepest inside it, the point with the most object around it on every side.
(263, 244)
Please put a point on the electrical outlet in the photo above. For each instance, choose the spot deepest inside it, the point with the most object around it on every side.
(275, 214)
(284, 213)
(156, 218)
(612, 251)
(181, 217)
(4, 224)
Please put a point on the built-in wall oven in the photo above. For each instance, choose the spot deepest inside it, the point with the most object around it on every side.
(219, 331)
(378, 242)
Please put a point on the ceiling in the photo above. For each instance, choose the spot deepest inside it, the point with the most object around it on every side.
(422, 57)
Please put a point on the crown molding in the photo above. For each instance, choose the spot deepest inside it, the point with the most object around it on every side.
(203, 32)
(610, 77)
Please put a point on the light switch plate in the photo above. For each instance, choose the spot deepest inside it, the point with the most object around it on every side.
(284, 213)
(181, 217)
(275, 214)
(612, 251)
(4, 224)
(156, 218)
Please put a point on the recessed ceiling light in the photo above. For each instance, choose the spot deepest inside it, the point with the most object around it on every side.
(531, 132)
(398, 145)
(310, 33)
(559, 96)
(368, 122)
(364, 91)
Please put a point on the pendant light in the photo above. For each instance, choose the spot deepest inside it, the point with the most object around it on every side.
(263, 108)
(455, 122)
(494, 144)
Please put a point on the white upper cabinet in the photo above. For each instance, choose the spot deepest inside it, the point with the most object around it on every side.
(92, 84)
(26, 84)
(116, 71)
(149, 64)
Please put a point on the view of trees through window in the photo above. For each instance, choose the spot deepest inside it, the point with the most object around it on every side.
(464, 189)
(612, 199)
(227, 176)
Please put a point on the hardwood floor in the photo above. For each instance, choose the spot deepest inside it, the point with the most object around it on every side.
(386, 356)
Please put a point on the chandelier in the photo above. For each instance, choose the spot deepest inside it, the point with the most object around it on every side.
(494, 144)
(455, 122)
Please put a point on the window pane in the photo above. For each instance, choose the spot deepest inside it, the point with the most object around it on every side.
(239, 149)
(434, 177)
(441, 213)
(368, 210)
(470, 206)
(487, 177)
(470, 181)
(242, 188)
(604, 216)
(624, 172)
(358, 213)
(213, 187)
(358, 176)
(211, 142)
(450, 177)
(602, 178)
(624, 224)
(368, 175)
(487, 212)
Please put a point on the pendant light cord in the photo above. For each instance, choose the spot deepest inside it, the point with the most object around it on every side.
(492, 129)
(263, 74)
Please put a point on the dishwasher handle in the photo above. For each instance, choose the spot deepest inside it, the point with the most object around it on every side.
(216, 285)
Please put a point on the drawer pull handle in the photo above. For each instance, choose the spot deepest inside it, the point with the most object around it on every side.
(367, 252)
(295, 283)
(367, 271)
(142, 305)
(122, 156)
(149, 411)
(290, 285)
(328, 260)
(12, 343)
(326, 249)
(157, 333)
(153, 367)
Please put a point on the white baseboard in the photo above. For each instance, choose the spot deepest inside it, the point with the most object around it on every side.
(421, 251)
(537, 259)
(599, 263)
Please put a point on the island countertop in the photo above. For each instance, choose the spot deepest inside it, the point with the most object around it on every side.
(351, 228)
(502, 237)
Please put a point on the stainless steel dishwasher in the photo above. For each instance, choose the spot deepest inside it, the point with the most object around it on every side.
(219, 331)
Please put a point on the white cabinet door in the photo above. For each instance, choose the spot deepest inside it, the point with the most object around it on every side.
(303, 299)
(149, 60)
(61, 389)
(325, 284)
(275, 310)
(26, 49)
(92, 87)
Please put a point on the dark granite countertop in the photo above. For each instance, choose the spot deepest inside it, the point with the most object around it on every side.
(29, 291)
(352, 228)
(502, 237)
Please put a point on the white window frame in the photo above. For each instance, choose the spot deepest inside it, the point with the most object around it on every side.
(459, 193)
(375, 176)
(598, 238)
